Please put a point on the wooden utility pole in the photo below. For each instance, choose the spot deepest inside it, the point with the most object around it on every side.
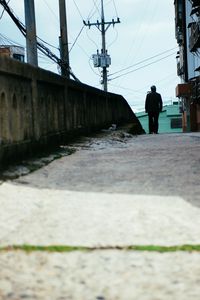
(64, 52)
(103, 35)
(102, 59)
(31, 39)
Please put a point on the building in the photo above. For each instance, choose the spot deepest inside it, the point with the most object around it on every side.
(15, 52)
(170, 119)
(187, 28)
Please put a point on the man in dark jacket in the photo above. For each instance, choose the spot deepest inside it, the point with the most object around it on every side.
(153, 106)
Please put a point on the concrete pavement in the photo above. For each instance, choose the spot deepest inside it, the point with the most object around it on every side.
(57, 217)
(163, 165)
(115, 190)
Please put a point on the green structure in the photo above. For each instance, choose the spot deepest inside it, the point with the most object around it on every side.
(170, 119)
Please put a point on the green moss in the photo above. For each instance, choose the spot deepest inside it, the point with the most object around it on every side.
(65, 249)
(32, 248)
(162, 249)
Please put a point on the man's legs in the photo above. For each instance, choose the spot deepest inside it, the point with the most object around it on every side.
(151, 123)
(155, 117)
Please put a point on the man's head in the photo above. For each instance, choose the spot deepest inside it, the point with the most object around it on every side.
(153, 88)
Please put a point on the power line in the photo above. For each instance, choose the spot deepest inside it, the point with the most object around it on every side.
(137, 32)
(125, 88)
(4, 10)
(48, 44)
(87, 32)
(151, 15)
(90, 15)
(76, 39)
(10, 41)
(78, 9)
(143, 66)
(142, 61)
(92, 68)
(166, 78)
(115, 39)
(115, 7)
(139, 91)
(40, 46)
(56, 17)
(103, 59)
(97, 8)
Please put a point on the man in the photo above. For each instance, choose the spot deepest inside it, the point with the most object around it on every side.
(153, 106)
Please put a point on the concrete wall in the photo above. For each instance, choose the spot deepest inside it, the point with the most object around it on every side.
(39, 109)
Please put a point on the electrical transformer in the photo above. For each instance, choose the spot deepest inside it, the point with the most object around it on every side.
(101, 60)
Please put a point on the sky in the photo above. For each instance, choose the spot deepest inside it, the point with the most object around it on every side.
(143, 44)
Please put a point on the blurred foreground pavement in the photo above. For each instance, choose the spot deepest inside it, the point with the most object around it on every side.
(113, 192)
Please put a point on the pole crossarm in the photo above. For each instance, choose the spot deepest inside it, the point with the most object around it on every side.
(102, 59)
(99, 24)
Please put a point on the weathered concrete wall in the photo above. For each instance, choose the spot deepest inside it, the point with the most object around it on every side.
(39, 109)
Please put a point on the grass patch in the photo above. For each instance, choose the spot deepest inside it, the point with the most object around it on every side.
(65, 249)
(164, 249)
(31, 248)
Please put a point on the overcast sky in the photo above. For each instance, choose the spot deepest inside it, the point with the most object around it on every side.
(146, 30)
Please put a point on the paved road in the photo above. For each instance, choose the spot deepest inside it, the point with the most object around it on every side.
(167, 165)
(115, 190)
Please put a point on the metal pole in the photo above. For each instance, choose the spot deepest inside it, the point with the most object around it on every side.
(31, 40)
(103, 32)
(64, 52)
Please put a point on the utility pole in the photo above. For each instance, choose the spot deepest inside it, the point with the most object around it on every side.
(31, 39)
(64, 52)
(102, 59)
(103, 31)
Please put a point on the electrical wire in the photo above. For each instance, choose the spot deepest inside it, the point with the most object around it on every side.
(58, 22)
(78, 9)
(3, 11)
(56, 17)
(40, 46)
(170, 76)
(2, 14)
(143, 66)
(115, 7)
(90, 59)
(116, 37)
(9, 41)
(125, 88)
(76, 39)
(137, 33)
(142, 61)
(109, 1)
(81, 30)
(93, 11)
(87, 32)
(48, 43)
(86, 54)
(150, 21)
(97, 8)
